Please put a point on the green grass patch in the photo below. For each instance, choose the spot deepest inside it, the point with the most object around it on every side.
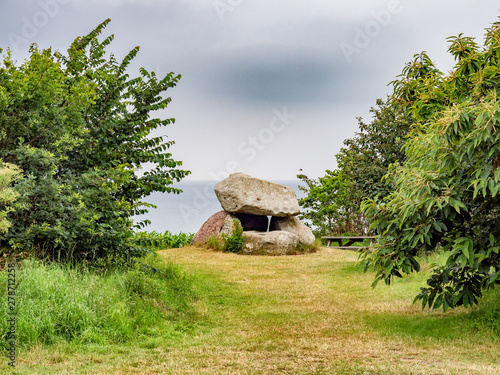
(487, 315)
(473, 323)
(58, 303)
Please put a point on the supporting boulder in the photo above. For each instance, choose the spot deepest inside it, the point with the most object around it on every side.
(269, 243)
(295, 226)
(219, 223)
(229, 224)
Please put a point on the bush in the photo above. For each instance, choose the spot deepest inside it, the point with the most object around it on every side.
(79, 127)
(233, 243)
(165, 240)
(8, 173)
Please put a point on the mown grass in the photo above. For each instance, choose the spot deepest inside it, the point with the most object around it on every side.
(303, 314)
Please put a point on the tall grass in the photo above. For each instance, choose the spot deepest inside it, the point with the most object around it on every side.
(488, 313)
(61, 303)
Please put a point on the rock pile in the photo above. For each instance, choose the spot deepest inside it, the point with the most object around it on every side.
(251, 201)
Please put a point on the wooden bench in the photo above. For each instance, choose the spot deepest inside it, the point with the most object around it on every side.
(350, 240)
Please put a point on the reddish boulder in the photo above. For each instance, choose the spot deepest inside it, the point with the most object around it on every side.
(211, 227)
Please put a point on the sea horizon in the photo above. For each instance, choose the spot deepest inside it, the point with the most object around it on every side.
(186, 212)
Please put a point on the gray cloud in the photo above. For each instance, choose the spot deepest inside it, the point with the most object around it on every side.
(272, 75)
(259, 56)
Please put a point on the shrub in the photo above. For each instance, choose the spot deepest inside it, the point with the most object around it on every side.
(8, 173)
(233, 243)
(79, 127)
(165, 240)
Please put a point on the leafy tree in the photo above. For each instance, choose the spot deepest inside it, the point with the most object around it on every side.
(333, 201)
(79, 128)
(446, 193)
(8, 173)
(368, 155)
(327, 206)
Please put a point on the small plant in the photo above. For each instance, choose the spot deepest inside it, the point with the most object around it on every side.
(215, 243)
(234, 243)
(306, 249)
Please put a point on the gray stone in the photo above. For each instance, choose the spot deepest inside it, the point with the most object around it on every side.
(293, 225)
(229, 224)
(269, 243)
(241, 193)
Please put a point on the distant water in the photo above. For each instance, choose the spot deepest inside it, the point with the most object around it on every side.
(186, 212)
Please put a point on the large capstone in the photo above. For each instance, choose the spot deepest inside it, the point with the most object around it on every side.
(295, 226)
(269, 243)
(241, 193)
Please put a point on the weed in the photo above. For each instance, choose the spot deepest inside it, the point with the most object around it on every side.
(233, 243)
(215, 243)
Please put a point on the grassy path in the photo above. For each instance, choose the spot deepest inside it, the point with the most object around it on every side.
(316, 314)
(308, 314)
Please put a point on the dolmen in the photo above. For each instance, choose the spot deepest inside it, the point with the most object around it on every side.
(267, 211)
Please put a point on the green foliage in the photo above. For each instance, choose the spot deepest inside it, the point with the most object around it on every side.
(328, 207)
(79, 128)
(446, 192)
(488, 313)
(367, 156)
(215, 243)
(332, 204)
(166, 240)
(233, 243)
(57, 303)
(8, 173)
(307, 249)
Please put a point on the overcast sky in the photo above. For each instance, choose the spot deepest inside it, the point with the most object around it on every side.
(268, 86)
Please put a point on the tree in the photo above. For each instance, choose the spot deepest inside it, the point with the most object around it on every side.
(446, 193)
(79, 128)
(327, 207)
(378, 145)
(8, 174)
(333, 201)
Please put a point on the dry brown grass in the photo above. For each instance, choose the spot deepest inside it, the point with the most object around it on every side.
(304, 314)
(306, 319)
